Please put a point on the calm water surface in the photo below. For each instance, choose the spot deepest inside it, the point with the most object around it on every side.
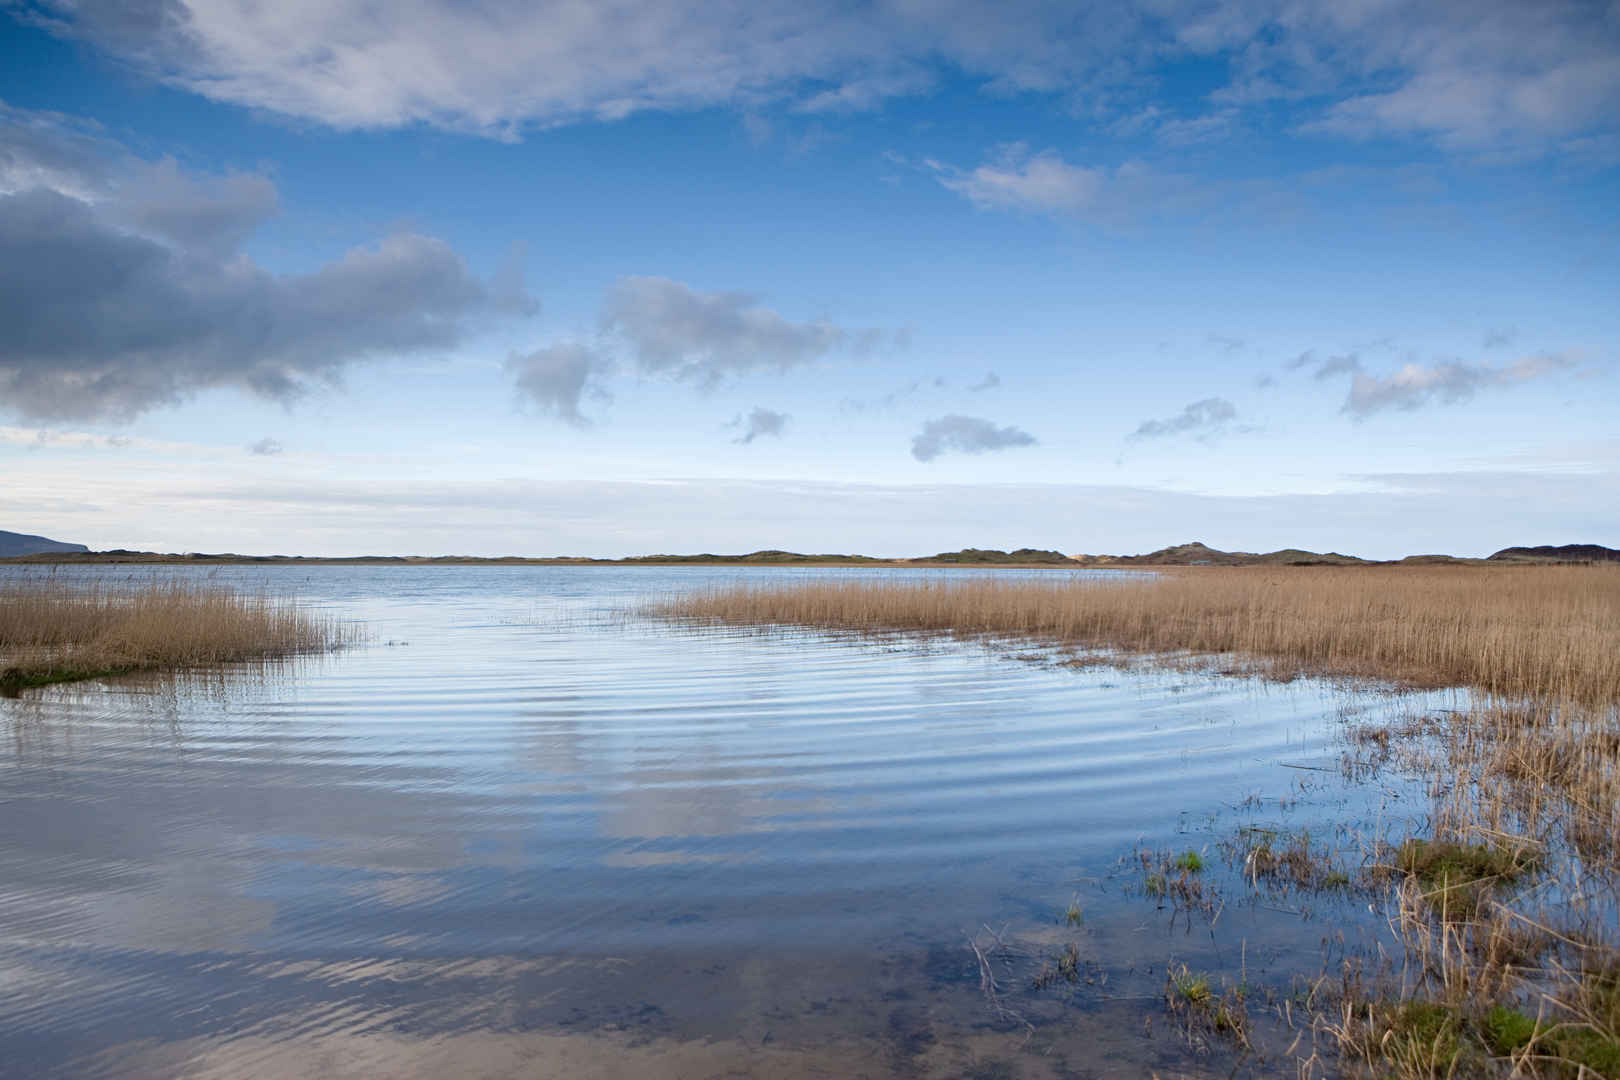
(524, 832)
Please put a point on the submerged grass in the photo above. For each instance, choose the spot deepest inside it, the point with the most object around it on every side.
(53, 631)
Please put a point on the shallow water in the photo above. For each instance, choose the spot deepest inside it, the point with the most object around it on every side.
(522, 832)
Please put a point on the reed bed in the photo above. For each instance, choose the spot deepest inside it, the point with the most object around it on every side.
(54, 631)
(1506, 973)
(1516, 632)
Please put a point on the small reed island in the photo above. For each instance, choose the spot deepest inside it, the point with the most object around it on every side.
(53, 631)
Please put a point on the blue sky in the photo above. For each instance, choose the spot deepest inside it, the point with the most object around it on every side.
(614, 278)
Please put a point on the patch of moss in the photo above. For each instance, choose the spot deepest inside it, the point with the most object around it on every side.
(14, 680)
(1507, 1030)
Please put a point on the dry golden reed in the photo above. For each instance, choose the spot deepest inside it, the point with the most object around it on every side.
(1550, 632)
(51, 630)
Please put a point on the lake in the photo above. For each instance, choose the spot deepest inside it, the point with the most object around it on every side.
(525, 830)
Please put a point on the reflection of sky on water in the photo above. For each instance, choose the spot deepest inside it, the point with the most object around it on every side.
(533, 787)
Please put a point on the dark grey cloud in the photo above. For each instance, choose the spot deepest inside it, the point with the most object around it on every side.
(704, 338)
(990, 381)
(1445, 381)
(965, 435)
(557, 377)
(760, 422)
(1463, 72)
(265, 447)
(1204, 418)
(122, 288)
(212, 215)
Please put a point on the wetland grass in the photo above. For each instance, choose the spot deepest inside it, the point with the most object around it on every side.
(53, 631)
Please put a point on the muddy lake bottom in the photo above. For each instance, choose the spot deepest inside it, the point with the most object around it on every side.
(523, 831)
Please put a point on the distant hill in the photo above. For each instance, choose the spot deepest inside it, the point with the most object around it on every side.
(769, 557)
(1197, 554)
(992, 557)
(12, 544)
(1558, 553)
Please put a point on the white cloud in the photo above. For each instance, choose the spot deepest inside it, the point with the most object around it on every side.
(1468, 72)
(1015, 179)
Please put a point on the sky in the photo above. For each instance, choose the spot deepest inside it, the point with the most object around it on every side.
(612, 277)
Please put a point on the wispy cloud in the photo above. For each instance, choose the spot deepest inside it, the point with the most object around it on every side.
(1445, 381)
(673, 329)
(265, 447)
(990, 381)
(1204, 418)
(1016, 179)
(965, 435)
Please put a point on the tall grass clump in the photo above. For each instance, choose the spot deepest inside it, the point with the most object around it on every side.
(54, 631)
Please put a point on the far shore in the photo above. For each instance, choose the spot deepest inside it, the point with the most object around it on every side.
(1181, 555)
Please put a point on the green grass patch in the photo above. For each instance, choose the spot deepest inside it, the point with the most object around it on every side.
(1189, 861)
(1193, 989)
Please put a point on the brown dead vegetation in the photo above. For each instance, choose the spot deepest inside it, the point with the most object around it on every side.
(54, 631)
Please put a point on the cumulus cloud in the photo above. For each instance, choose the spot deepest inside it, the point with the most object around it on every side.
(1445, 381)
(1206, 418)
(265, 447)
(122, 288)
(556, 378)
(1463, 71)
(965, 435)
(704, 338)
(760, 422)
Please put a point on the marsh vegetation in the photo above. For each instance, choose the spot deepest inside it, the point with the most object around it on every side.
(1504, 896)
(56, 631)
